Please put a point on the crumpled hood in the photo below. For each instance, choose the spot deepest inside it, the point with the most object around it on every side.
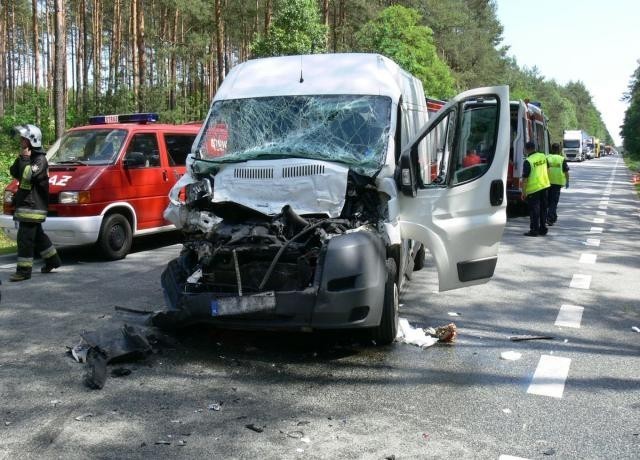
(308, 186)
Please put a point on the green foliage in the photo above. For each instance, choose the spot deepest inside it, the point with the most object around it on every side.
(396, 33)
(630, 129)
(296, 29)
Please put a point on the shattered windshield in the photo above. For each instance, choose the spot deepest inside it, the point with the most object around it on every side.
(90, 147)
(348, 129)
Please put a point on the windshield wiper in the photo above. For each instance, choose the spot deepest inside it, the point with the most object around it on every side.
(70, 162)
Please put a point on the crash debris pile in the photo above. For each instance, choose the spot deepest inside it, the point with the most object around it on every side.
(424, 338)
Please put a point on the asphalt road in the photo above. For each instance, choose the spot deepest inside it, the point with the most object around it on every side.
(333, 396)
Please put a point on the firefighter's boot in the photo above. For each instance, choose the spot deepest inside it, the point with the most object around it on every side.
(51, 263)
(21, 274)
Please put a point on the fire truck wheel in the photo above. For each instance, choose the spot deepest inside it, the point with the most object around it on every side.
(115, 237)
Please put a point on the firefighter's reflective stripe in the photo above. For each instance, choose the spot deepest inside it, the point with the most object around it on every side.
(30, 215)
(25, 262)
(538, 177)
(49, 252)
(25, 180)
(556, 175)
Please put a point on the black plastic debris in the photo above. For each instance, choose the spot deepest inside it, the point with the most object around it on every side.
(254, 427)
(522, 338)
(120, 372)
(96, 374)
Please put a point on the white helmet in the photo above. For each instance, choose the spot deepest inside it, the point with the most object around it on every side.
(31, 133)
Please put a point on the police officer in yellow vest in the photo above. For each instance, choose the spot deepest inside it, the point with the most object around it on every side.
(558, 177)
(31, 170)
(534, 189)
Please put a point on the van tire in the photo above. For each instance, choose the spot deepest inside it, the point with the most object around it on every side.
(115, 237)
(418, 261)
(386, 332)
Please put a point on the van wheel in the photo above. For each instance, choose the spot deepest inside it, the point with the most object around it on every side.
(418, 262)
(115, 237)
(386, 332)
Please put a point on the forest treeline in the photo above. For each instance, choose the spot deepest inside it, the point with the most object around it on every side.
(62, 61)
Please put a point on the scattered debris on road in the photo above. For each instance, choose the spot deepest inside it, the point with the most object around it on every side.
(413, 336)
(454, 313)
(254, 427)
(82, 417)
(215, 406)
(510, 355)
(522, 338)
(635, 328)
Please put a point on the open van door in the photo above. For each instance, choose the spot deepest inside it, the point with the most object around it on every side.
(459, 214)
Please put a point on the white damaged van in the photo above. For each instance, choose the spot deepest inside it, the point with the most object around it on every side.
(314, 186)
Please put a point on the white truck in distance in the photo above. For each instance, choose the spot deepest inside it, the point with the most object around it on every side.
(574, 146)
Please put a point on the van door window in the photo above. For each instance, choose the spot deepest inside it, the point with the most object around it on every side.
(434, 152)
(476, 147)
(178, 147)
(143, 151)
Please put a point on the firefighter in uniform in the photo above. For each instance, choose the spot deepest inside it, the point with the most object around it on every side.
(534, 189)
(558, 177)
(31, 170)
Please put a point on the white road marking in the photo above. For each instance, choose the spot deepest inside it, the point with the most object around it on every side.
(601, 213)
(592, 242)
(550, 376)
(598, 220)
(511, 457)
(569, 316)
(595, 230)
(588, 258)
(604, 202)
(580, 281)
(603, 206)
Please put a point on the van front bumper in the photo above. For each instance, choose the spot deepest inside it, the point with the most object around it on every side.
(349, 294)
(62, 231)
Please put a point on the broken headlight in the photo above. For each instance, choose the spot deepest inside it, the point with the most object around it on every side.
(199, 190)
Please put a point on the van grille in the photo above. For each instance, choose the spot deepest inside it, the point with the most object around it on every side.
(302, 170)
(253, 173)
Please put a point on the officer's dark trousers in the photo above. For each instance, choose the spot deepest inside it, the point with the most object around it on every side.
(32, 238)
(538, 211)
(554, 197)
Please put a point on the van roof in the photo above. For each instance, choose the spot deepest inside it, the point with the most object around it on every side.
(184, 128)
(343, 73)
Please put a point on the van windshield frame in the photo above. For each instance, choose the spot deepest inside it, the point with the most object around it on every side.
(90, 147)
(349, 129)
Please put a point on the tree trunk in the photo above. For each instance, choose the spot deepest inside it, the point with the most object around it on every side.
(117, 46)
(60, 61)
(219, 40)
(174, 63)
(85, 58)
(3, 48)
(267, 17)
(36, 57)
(97, 53)
(79, 56)
(141, 55)
(134, 49)
(11, 27)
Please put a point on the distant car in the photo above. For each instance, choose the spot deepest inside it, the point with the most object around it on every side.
(109, 181)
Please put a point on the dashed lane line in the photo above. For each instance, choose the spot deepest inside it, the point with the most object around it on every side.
(598, 220)
(569, 316)
(586, 258)
(550, 376)
(580, 281)
(595, 242)
(595, 230)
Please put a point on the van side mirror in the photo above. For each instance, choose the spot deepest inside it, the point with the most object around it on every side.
(407, 179)
(134, 160)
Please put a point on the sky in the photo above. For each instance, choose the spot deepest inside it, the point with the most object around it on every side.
(594, 41)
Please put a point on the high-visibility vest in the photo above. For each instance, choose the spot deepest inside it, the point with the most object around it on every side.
(556, 174)
(538, 177)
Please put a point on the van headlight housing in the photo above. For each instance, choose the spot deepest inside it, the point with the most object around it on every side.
(81, 197)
